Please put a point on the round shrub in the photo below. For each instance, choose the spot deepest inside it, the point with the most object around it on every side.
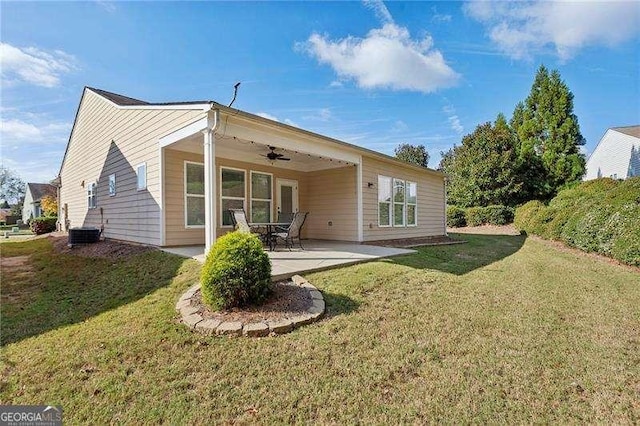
(498, 214)
(237, 272)
(476, 216)
(456, 217)
(525, 215)
(43, 225)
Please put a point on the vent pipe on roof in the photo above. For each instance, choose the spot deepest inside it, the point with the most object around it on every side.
(235, 93)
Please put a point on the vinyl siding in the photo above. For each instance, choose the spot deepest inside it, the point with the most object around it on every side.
(617, 155)
(108, 140)
(331, 197)
(431, 204)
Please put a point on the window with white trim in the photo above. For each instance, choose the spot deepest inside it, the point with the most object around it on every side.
(141, 172)
(412, 203)
(92, 202)
(384, 201)
(112, 185)
(261, 197)
(193, 195)
(398, 202)
(232, 192)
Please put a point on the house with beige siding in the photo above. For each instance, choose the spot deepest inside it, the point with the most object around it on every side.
(166, 174)
(617, 155)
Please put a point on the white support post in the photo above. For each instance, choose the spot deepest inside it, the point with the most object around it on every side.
(360, 220)
(210, 201)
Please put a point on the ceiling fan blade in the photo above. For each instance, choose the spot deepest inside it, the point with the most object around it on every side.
(284, 159)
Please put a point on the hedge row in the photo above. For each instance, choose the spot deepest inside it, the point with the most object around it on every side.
(476, 216)
(43, 225)
(601, 215)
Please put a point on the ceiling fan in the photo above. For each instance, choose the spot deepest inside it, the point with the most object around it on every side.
(273, 155)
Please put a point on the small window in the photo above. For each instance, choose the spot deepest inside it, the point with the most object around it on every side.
(194, 194)
(261, 197)
(398, 202)
(232, 193)
(91, 195)
(141, 172)
(112, 185)
(412, 204)
(384, 201)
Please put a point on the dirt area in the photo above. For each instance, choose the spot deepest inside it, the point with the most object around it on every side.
(16, 284)
(486, 230)
(416, 242)
(286, 300)
(105, 249)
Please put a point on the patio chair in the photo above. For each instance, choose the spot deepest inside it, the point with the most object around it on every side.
(289, 234)
(240, 223)
(285, 217)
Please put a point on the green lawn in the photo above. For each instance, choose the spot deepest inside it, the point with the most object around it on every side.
(499, 330)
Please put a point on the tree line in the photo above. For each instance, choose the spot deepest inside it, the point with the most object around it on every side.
(531, 156)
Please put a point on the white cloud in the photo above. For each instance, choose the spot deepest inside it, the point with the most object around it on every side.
(16, 133)
(267, 116)
(107, 5)
(523, 29)
(323, 114)
(386, 58)
(34, 66)
(454, 120)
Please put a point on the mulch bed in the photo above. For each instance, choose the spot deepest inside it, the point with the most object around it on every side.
(107, 249)
(285, 301)
(415, 242)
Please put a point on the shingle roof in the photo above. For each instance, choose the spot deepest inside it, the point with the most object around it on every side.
(39, 190)
(628, 130)
(122, 100)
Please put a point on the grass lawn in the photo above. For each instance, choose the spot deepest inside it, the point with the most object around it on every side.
(502, 330)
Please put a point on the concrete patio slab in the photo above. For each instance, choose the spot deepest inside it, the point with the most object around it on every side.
(316, 256)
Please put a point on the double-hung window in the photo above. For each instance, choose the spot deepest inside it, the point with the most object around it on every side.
(141, 173)
(384, 201)
(261, 197)
(92, 202)
(398, 202)
(112, 185)
(412, 203)
(194, 194)
(232, 192)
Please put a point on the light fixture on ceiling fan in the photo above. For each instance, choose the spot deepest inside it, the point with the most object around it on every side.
(272, 155)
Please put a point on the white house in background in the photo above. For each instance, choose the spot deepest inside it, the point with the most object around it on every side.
(166, 174)
(617, 155)
(35, 192)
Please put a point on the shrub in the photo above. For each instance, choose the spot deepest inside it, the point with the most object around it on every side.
(525, 214)
(456, 217)
(599, 216)
(475, 216)
(237, 272)
(43, 225)
(498, 215)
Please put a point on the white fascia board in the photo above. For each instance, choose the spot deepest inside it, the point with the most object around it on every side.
(185, 132)
(292, 142)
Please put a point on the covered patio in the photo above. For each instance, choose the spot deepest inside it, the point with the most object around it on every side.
(316, 256)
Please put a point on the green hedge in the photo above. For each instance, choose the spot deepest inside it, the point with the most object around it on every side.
(43, 225)
(476, 216)
(601, 216)
(237, 272)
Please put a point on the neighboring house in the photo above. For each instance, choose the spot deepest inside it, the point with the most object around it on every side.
(34, 193)
(617, 155)
(3, 214)
(166, 174)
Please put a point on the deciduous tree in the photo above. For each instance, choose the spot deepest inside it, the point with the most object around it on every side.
(414, 154)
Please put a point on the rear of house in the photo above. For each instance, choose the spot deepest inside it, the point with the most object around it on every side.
(617, 155)
(166, 174)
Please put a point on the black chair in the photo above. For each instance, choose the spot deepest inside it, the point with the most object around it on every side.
(240, 223)
(285, 217)
(289, 234)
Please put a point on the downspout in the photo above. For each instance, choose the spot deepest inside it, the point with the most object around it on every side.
(213, 123)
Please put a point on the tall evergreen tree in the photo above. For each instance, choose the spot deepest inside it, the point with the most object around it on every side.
(549, 136)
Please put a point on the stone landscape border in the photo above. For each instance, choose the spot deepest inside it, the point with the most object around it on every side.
(190, 317)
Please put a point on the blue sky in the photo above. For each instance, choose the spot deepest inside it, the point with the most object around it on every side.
(370, 73)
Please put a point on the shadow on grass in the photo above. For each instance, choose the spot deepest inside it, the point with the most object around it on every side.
(459, 259)
(54, 290)
(338, 304)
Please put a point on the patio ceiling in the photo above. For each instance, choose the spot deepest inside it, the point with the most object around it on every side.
(233, 148)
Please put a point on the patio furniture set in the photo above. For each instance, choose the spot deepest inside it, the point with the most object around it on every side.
(286, 229)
